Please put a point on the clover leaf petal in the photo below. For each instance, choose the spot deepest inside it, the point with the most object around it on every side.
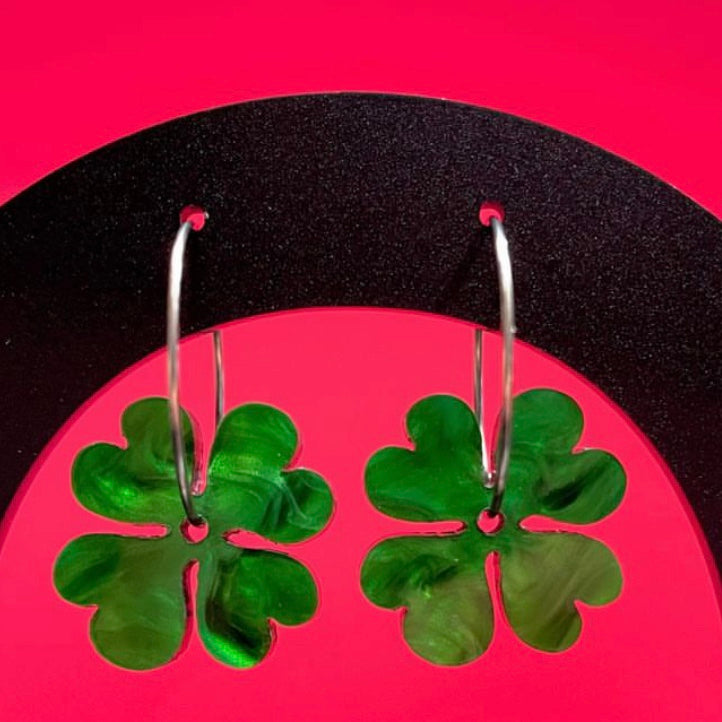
(544, 574)
(248, 487)
(441, 582)
(546, 420)
(545, 477)
(137, 585)
(240, 591)
(138, 483)
(440, 479)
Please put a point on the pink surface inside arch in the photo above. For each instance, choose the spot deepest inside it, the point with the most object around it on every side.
(347, 377)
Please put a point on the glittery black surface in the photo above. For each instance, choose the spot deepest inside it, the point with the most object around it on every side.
(367, 200)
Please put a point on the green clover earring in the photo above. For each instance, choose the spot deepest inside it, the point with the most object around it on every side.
(439, 581)
(138, 584)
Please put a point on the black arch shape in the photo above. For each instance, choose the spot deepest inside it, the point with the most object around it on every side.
(364, 199)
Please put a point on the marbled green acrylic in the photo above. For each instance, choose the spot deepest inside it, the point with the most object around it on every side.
(440, 580)
(138, 584)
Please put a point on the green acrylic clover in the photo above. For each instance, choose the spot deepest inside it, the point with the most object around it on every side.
(138, 583)
(440, 581)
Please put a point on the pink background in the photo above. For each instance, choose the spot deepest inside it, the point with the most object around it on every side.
(641, 78)
(655, 653)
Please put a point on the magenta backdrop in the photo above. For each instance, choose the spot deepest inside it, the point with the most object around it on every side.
(654, 654)
(639, 78)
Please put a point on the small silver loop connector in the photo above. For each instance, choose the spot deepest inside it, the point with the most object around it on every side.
(495, 478)
(175, 279)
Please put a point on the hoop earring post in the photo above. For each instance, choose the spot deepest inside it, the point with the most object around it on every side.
(508, 329)
(496, 477)
(175, 280)
(487, 475)
(220, 383)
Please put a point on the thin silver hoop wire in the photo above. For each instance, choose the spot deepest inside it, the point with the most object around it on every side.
(175, 279)
(487, 479)
(496, 477)
(220, 383)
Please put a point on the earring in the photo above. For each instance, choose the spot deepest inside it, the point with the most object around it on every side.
(140, 584)
(440, 581)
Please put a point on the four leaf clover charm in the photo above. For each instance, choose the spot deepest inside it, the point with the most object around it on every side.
(440, 580)
(138, 583)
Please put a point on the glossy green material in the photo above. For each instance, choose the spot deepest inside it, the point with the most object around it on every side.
(138, 483)
(250, 489)
(440, 580)
(138, 583)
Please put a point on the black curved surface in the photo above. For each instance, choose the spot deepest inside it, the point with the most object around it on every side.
(367, 200)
